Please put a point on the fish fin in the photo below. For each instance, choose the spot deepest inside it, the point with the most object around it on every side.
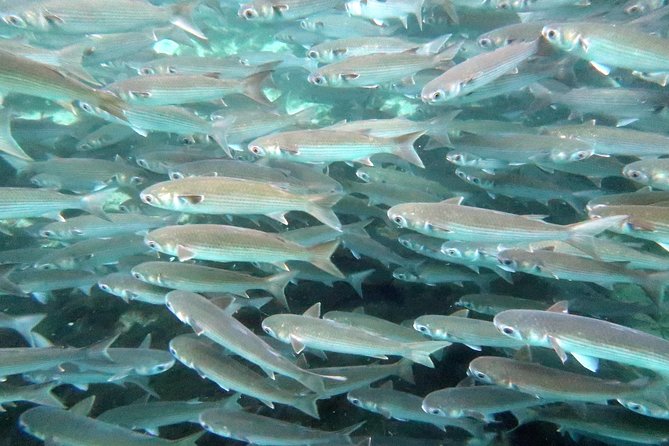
(94, 203)
(555, 344)
(8, 144)
(268, 403)
(588, 362)
(313, 311)
(320, 258)
(277, 284)
(453, 200)
(279, 216)
(405, 370)
(559, 307)
(181, 18)
(184, 254)
(281, 265)
(434, 46)
(190, 440)
(298, 347)
(319, 207)
(405, 149)
(191, 199)
(420, 352)
(44, 396)
(356, 280)
(307, 404)
(25, 324)
(252, 87)
(654, 285)
(269, 373)
(83, 407)
(219, 133)
(601, 68)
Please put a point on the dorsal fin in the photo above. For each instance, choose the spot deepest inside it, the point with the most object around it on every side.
(559, 307)
(83, 407)
(313, 311)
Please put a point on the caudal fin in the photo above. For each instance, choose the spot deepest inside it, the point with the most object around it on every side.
(320, 207)
(405, 370)
(277, 284)
(419, 352)
(356, 280)
(25, 324)
(41, 394)
(181, 18)
(94, 203)
(307, 404)
(252, 87)
(8, 144)
(404, 148)
(655, 285)
(320, 258)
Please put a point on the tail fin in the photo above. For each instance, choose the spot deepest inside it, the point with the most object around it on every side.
(219, 133)
(181, 18)
(418, 12)
(304, 117)
(594, 227)
(70, 60)
(25, 324)
(94, 203)
(405, 370)
(654, 285)
(320, 207)
(41, 394)
(277, 284)
(320, 258)
(420, 352)
(405, 150)
(433, 46)
(356, 280)
(307, 404)
(252, 87)
(190, 440)
(8, 144)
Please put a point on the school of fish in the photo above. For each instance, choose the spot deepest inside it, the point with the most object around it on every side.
(334, 222)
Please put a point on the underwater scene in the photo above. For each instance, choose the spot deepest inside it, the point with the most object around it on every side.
(334, 222)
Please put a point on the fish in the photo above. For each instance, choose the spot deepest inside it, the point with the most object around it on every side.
(26, 202)
(652, 173)
(221, 243)
(205, 318)
(223, 195)
(309, 330)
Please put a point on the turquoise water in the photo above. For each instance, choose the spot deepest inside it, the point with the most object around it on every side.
(162, 96)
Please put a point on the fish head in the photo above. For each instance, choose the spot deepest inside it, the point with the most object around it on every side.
(477, 371)
(364, 174)
(162, 195)
(646, 408)
(158, 241)
(362, 398)
(405, 275)
(518, 260)
(461, 159)
(431, 406)
(404, 215)
(260, 10)
(156, 362)
(409, 242)
(451, 250)
(562, 36)
(521, 325)
(441, 94)
(637, 173)
(277, 327)
(424, 327)
(570, 155)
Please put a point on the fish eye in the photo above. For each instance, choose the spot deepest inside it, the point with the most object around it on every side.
(159, 368)
(268, 331)
(137, 275)
(460, 174)
(187, 140)
(257, 150)
(634, 406)
(399, 220)
(171, 70)
(509, 331)
(85, 106)
(14, 20)
(475, 180)
(142, 163)
(136, 180)
(634, 9)
(580, 155)
(364, 176)
(485, 42)
(538, 268)
(452, 252)
(551, 34)
(634, 174)
(317, 79)
(422, 328)
(437, 95)
(481, 376)
(249, 13)
(151, 244)
(506, 262)
(104, 287)
(435, 411)
(47, 266)
(312, 54)
(145, 71)
(355, 401)
(148, 198)
(47, 233)
(84, 146)
(176, 176)
(456, 158)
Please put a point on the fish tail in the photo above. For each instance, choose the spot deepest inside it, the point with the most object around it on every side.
(252, 87)
(25, 324)
(654, 285)
(305, 116)
(277, 283)
(405, 370)
(190, 440)
(307, 404)
(419, 352)
(70, 60)
(6, 284)
(439, 128)
(356, 279)
(404, 148)
(320, 258)
(320, 207)
(18, 159)
(418, 12)
(594, 227)
(219, 133)
(94, 203)
(349, 430)
(181, 18)
(42, 395)
(312, 382)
